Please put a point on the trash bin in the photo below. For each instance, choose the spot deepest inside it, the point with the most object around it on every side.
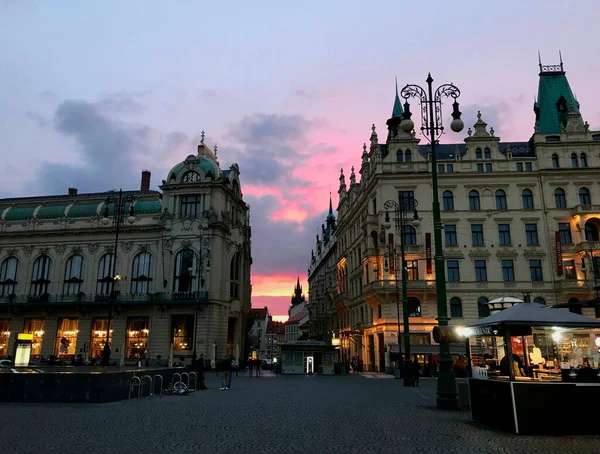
(462, 389)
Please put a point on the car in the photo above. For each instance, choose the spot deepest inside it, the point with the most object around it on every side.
(5, 363)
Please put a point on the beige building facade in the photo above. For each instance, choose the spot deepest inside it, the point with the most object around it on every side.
(520, 219)
(181, 277)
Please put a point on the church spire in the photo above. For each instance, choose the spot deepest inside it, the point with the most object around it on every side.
(397, 110)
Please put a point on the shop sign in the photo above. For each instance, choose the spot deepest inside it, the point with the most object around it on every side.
(559, 258)
(480, 331)
(391, 253)
(428, 252)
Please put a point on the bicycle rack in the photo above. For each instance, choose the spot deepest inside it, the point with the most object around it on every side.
(142, 385)
(157, 376)
(193, 375)
(173, 379)
(135, 381)
(187, 379)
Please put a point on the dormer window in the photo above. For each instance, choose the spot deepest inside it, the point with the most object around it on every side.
(478, 154)
(191, 177)
(487, 154)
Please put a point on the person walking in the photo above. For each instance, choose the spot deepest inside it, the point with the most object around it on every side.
(200, 367)
(416, 371)
(229, 364)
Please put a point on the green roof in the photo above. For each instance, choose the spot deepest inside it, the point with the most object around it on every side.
(83, 210)
(397, 111)
(20, 214)
(51, 211)
(551, 87)
(147, 206)
(175, 170)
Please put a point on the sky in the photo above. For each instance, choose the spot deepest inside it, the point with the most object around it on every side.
(93, 92)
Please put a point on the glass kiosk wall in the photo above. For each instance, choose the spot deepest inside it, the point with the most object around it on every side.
(23, 349)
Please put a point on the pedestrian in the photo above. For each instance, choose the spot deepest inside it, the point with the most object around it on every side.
(229, 364)
(201, 367)
(416, 371)
(224, 373)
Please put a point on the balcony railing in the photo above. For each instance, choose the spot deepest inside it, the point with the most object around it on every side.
(156, 298)
(390, 284)
(580, 209)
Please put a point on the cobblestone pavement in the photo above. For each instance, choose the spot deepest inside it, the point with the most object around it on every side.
(348, 414)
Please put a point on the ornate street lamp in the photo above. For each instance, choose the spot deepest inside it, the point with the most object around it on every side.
(432, 128)
(119, 204)
(401, 209)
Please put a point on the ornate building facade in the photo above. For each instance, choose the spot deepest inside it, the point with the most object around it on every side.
(520, 219)
(179, 278)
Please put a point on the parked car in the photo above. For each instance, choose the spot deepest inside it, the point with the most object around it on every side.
(5, 363)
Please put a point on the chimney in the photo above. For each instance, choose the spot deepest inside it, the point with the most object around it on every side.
(145, 180)
(72, 191)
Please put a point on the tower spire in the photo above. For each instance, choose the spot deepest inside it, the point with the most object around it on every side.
(397, 110)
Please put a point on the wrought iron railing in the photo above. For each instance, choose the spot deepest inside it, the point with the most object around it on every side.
(158, 297)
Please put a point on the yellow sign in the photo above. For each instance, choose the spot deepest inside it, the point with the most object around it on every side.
(25, 336)
(335, 341)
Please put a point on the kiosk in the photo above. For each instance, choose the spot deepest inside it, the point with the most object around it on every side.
(23, 349)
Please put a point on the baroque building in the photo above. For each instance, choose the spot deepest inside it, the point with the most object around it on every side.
(178, 280)
(520, 219)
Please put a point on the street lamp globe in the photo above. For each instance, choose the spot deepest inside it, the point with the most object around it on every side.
(416, 223)
(457, 125)
(407, 125)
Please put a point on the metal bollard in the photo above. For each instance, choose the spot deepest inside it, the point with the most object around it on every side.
(135, 381)
(157, 376)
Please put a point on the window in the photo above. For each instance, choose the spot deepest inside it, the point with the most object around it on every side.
(106, 275)
(98, 336)
(560, 200)
(407, 195)
(136, 340)
(66, 337)
(500, 200)
(455, 307)
(450, 168)
(584, 196)
(474, 204)
(488, 167)
(185, 265)
(504, 234)
(190, 177)
(480, 271)
(480, 167)
(412, 270)
(399, 156)
(569, 269)
(448, 201)
(564, 229)
(453, 271)
(40, 278)
(591, 232)
(583, 160)
(478, 154)
(234, 276)
(528, 166)
(379, 313)
(190, 205)
(539, 300)
(555, 161)
(535, 269)
(574, 161)
(450, 235)
(519, 166)
(182, 332)
(414, 307)
(487, 154)
(8, 277)
(527, 199)
(508, 271)
(531, 234)
(4, 337)
(483, 309)
(477, 234)
(441, 168)
(35, 326)
(407, 156)
(410, 235)
(73, 275)
(143, 270)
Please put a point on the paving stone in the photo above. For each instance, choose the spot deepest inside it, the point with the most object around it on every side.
(287, 414)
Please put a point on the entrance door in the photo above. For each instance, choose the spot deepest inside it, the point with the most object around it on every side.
(309, 365)
(381, 348)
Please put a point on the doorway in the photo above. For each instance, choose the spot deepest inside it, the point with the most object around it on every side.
(309, 366)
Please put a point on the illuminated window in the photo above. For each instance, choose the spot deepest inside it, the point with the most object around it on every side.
(414, 306)
(182, 332)
(569, 269)
(4, 337)
(136, 341)
(8, 276)
(35, 326)
(73, 275)
(98, 337)
(141, 277)
(66, 337)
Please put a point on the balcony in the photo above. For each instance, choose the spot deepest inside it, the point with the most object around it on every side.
(575, 284)
(585, 209)
(94, 299)
(584, 246)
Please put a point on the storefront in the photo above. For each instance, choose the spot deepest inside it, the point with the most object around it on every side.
(533, 367)
(307, 357)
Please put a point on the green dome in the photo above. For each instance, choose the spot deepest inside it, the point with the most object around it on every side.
(209, 166)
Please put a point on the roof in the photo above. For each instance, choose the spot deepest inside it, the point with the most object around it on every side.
(275, 327)
(299, 316)
(552, 86)
(397, 110)
(259, 313)
(304, 325)
(534, 314)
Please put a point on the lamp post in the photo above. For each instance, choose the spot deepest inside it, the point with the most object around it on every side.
(405, 204)
(204, 252)
(432, 128)
(119, 204)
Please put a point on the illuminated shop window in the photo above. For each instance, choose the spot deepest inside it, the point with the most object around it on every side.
(35, 326)
(98, 337)
(182, 332)
(136, 342)
(66, 337)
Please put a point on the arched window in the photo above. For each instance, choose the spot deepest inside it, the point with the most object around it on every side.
(448, 201)
(474, 204)
(141, 275)
(575, 309)
(487, 154)
(190, 177)
(591, 232)
(482, 307)
(455, 307)
(234, 276)
(414, 307)
(574, 161)
(478, 154)
(584, 196)
(501, 200)
(527, 198)
(73, 275)
(40, 277)
(560, 200)
(410, 235)
(539, 300)
(399, 156)
(407, 156)
(108, 268)
(555, 161)
(236, 188)
(185, 266)
(9, 272)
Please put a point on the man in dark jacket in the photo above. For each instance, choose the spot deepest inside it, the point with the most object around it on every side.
(200, 367)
